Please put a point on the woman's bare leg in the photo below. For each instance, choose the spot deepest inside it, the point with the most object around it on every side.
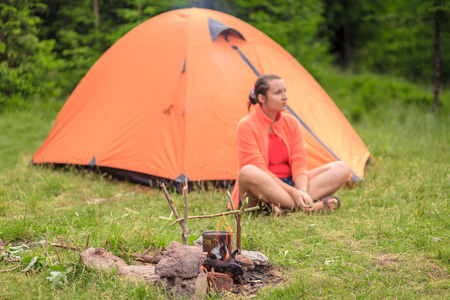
(326, 180)
(255, 183)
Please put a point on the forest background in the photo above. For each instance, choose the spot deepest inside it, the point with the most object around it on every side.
(46, 47)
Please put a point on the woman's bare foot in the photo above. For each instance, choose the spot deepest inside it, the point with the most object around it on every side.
(276, 210)
(331, 203)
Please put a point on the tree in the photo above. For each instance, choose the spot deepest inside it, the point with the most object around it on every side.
(24, 58)
(292, 24)
(408, 38)
(441, 15)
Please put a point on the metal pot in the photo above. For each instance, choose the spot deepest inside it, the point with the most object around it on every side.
(217, 243)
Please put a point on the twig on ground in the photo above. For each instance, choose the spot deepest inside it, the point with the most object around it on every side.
(87, 242)
(57, 255)
(215, 215)
(66, 247)
(148, 250)
(13, 269)
(45, 245)
(12, 260)
(155, 258)
(121, 249)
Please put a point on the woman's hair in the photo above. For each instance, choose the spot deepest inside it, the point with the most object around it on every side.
(261, 87)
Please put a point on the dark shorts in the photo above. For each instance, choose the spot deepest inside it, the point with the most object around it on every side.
(288, 180)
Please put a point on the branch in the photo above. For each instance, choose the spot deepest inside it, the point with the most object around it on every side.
(238, 225)
(172, 206)
(214, 215)
(15, 268)
(184, 229)
(66, 247)
(231, 203)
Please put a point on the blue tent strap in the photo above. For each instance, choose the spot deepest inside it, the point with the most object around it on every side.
(246, 60)
(354, 177)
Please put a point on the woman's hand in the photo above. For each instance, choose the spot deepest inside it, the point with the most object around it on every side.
(303, 200)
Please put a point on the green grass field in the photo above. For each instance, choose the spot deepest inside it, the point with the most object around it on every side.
(390, 239)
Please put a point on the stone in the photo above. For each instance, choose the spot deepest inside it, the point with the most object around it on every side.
(101, 260)
(136, 273)
(201, 285)
(180, 261)
(258, 259)
(219, 281)
(180, 287)
(246, 263)
(199, 242)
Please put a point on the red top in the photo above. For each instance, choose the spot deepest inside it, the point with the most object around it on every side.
(252, 141)
(278, 157)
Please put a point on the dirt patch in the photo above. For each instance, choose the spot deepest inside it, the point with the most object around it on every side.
(387, 260)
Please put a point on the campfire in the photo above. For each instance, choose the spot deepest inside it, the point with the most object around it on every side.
(193, 271)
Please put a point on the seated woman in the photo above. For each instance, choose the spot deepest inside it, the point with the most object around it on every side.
(272, 157)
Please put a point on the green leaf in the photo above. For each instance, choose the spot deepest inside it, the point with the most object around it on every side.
(31, 264)
(56, 269)
(57, 278)
(2, 47)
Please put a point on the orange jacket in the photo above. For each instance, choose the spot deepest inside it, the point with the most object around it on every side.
(252, 140)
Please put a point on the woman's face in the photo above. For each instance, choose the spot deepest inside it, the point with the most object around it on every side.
(275, 100)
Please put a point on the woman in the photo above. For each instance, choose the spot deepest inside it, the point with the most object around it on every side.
(272, 157)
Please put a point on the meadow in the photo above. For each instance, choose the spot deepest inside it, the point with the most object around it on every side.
(390, 238)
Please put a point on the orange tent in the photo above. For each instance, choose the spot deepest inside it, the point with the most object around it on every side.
(168, 95)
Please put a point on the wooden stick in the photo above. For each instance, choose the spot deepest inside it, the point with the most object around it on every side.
(185, 231)
(66, 247)
(15, 268)
(12, 260)
(45, 245)
(87, 241)
(238, 225)
(172, 206)
(214, 215)
(121, 249)
(148, 250)
(231, 203)
(57, 255)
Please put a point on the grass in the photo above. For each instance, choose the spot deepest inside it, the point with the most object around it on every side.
(390, 239)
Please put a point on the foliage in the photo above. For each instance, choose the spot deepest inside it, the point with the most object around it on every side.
(58, 276)
(27, 65)
(360, 95)
(292, 24)
(395, 37)
(46, 46)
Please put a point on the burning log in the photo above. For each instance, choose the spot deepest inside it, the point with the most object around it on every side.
(229, 266)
